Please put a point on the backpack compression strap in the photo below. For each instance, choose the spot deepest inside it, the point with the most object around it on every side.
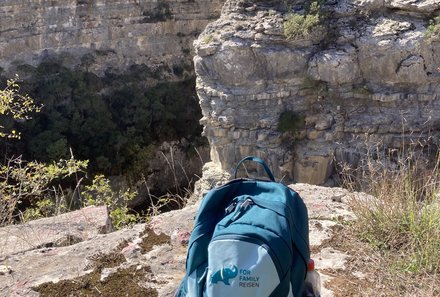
(258, 160)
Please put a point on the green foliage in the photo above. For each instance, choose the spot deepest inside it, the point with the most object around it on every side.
(34, 185)
(160, 13)
(363, 90)
(114, 121)
(100, 193)
(290, 121)
(111, 121)
(208, 39)
(42, 209)
(15, 106)
(309, 25)
(433, 29)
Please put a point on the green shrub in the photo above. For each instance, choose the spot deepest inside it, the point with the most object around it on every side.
(30, 190)
(208, 39)
(290, 121)
(43, 208)
(118, 124)
(309, 25)
(101, 193)
(363, 90)
(161, 13)
(433, 29)
(15, 106)
(35, 185)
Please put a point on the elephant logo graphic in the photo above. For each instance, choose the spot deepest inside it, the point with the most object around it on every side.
(224, 275)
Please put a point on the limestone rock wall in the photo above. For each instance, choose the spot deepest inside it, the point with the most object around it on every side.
(117, 33)
(372, 78)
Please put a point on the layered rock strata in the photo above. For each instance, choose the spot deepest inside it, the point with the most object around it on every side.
(371, 79)
(107, 34)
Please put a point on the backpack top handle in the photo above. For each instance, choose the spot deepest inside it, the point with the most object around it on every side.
(257, 160)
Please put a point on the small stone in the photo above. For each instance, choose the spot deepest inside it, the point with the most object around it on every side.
(324, 123)
(313, 134)
(180, 236)
(259, 36)
(4, 270)
(106, 272)
(249, 9)
(337, 198)
(132, 251)
(259, 28)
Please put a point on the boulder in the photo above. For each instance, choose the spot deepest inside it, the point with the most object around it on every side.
(63, 230)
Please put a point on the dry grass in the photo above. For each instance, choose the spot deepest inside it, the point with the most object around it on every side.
(369, 270)
(400, 227)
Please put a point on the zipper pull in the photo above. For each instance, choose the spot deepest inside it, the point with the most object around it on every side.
(243, 207)
(230, 208)
(248, 202)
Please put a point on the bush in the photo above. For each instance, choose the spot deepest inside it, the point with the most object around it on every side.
(160, 13)
(309, 25)
(290, 121)
(119, 124)
(32, 187)
(433, 29)
(100, 193)
(35, 188)
(15, 106)
(317, 87)
(404, 216)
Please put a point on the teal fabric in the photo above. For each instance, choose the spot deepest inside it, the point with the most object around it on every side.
(277, 217)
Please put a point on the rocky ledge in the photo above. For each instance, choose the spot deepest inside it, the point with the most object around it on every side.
(148, 259)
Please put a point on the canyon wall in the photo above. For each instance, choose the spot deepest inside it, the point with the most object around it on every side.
(371, 78)
(124, 41)
(106, 35)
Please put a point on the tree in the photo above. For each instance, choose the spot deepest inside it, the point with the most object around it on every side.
(15, 105)
(28, 182)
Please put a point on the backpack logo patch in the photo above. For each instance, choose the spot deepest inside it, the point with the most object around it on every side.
(224, 275)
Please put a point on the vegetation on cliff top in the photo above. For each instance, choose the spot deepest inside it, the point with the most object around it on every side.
(311, 24)
(433, 29)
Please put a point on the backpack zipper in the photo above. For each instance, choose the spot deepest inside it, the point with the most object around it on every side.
(230, 208)
(244, 205)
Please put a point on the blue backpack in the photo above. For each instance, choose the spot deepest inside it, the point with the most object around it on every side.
(250, 239)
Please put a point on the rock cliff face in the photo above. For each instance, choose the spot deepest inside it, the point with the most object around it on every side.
(370, 78)
(106, 34)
